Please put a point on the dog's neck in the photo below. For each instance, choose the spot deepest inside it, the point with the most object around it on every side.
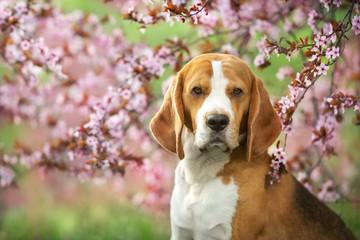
(200, 166)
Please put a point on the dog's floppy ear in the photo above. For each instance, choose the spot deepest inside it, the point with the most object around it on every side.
(264, 124)
(166, 126)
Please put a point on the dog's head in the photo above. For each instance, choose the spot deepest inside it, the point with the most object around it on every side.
(219, 99)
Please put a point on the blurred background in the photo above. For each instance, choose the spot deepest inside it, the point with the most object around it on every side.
(54, 205)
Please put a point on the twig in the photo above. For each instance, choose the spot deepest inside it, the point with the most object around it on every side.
(315, 107)
(332, 80)
(193, 14)
(318, 162)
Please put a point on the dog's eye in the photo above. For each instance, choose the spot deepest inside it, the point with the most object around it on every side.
(237, 92)
(197, 91)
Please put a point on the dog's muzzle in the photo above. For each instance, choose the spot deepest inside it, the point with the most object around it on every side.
(217, 124)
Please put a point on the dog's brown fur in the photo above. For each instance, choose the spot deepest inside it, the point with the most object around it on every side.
(284, 211)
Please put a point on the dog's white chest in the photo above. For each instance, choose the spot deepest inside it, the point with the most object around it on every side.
(202, 210)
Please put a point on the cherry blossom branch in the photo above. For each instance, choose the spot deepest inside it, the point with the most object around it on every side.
(306, 79)
(183, 13)
(344, 28)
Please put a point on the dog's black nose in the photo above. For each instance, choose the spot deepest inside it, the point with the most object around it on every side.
(217, 122)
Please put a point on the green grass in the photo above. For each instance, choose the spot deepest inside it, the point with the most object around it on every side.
(117, 221)
(87, 222)
(66, 209)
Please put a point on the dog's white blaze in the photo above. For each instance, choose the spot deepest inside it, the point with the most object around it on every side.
(217, 99)
(216, 102)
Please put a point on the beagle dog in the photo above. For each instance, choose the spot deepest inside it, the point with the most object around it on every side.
(218, 119)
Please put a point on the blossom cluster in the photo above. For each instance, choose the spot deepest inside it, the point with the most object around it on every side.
(356, 24)
(277, 166)
(334, 107)
(324, 46)
(327, 3)
(166, 12)
(6, 172)
(327, 45)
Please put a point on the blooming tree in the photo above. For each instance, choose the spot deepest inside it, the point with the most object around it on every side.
(89, 93)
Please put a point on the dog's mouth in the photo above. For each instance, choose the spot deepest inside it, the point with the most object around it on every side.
(216, 142)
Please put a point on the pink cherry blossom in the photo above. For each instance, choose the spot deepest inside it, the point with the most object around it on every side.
(328, 192)
(357, 107)
(326, 3)
(126, 94)
(312, 19)
(228, 48)
(259, 60)
(6, 176)
(337, 2)
(321, 41)
(332, 53)
(275, 165)
(322, 69)
(356, 24)
(284, 72)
